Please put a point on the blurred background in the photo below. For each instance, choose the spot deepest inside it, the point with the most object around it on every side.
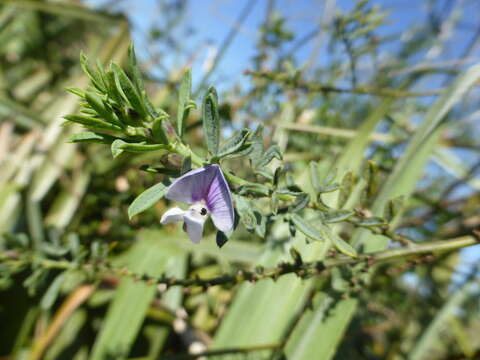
(313, 73)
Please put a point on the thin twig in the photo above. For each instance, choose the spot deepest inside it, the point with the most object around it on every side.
(287, 80)
(300, 268)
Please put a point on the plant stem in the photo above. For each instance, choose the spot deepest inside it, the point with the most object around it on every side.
(301, 269)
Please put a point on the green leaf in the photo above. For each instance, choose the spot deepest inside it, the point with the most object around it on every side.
(371, 178)
(273, 152)
(340, 244)
(91, 137)
(371, 221)
(393, 208)
(135, 70)
(100, 107)
(328, 188)
(146, 199)
(314, 176)
(256, 150)
(266, 173)
(330, 177)
(346, 188)
(337, 216)
(261, 226)
(306, 228)
(116, 147)
(76, 91)
(113, 92)
(211, 121)
(300, 203)
(254, 189)
(93, 74)
(119, 146)
(52, 292)
(245, 211)
(92, 123)
(234, 143)
(183, 101)
(127, 90)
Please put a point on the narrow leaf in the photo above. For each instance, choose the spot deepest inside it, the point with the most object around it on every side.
(183, 101)
(93, 74)
(300, 203)
(273, 152)
(211, 121)
(119, 146)
(254, 189)
(234, 143)
(126, 88)
(306, 228)
(371, 221)
(337, 216)
(100, 107)
(346, 188)
(314, 176)
(135, 70)
(92, 123)
(340, 244)
(91, 137)
(146, 199)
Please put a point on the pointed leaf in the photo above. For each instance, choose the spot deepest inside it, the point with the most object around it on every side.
(306, 228)
(234, 143)
(337, 216)
(93, 74)
(340, 244)
(183, 101)
(146, 199)
(211, 121)
(91, 137)
(126, 88)
(92, 123)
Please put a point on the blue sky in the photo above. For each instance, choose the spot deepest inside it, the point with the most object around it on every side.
(213, 19)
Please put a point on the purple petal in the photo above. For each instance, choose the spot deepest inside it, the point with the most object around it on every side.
(219, 202)
(194, 227)
(192, 186)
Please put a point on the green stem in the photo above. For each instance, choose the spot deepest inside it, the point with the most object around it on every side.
(185, 151)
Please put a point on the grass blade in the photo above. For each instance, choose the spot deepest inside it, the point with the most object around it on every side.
(132, 299)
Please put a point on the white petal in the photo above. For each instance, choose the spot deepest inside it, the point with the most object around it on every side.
(172, 215)
(194, 227)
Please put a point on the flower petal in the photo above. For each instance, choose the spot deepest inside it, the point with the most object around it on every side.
(192, 186)
(219, 202)
(172, 215)
(194, 227)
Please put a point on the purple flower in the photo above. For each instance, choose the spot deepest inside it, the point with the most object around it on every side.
(207, 193)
